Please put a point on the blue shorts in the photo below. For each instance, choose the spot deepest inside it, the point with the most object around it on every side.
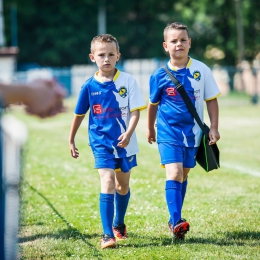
(118, 164)
(171, 153)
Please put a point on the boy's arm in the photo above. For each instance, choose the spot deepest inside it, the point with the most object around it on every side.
(73, 130)
(151, 114)
(125, 137)
(212, 107)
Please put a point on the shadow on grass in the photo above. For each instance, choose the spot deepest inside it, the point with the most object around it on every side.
(236, 238)
(230, 239)
(70, 232)
(221, 242)
(244, 235)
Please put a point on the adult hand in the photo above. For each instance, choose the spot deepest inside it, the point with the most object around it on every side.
(44, 98)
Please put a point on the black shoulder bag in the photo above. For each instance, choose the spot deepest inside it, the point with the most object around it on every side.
(207, 155)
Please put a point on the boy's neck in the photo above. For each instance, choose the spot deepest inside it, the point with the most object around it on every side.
(106, 76)
(180, 64)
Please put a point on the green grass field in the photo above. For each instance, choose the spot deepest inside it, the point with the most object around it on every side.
(60, 195)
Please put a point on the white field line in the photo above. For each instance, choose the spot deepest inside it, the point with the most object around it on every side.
(232, 166)
(240, 169)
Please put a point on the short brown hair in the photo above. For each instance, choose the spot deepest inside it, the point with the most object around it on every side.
(103, 38)
(177, 26)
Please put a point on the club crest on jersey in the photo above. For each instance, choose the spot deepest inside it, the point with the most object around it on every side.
(123, 92)
(171, 91)
(196, 75)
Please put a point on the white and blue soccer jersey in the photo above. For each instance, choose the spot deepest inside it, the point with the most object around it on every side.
(110, 104)
(175, 124)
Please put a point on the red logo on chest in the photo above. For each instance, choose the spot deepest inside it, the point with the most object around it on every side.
(171, 91)
(97, 109)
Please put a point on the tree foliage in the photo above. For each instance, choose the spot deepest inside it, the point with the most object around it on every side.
(58, 33)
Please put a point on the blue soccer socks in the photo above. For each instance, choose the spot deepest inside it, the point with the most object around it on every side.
(173, 192)
(121, 202)
(106, 204)
(107, 210)
(184, 189)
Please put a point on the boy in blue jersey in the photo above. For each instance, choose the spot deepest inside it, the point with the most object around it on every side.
(178, 134)
(114, 101)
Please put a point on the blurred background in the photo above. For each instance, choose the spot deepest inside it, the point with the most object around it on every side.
(52, 39)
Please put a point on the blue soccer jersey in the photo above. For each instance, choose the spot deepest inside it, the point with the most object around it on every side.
(175, 124)
(109, 105)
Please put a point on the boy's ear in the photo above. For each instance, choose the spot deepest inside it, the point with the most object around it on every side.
(91, 56)
(118, 56)
(165, 46)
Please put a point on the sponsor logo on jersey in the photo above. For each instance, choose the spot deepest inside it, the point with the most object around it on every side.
(197, 94)
(113, 109)
(97, 109)
(196, 75)
(123, 92)
(171, 91)
(110, 111)
(96, 93)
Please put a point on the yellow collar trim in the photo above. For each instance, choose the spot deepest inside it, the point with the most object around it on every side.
(101, 81)
(173, 68)
(189, 62)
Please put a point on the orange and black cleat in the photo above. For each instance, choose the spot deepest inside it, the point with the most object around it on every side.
(120, 232)
(180, 229)
(108, 242)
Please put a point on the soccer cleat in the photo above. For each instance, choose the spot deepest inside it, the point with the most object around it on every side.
(108, 242)
(120, 231)
(180, 229)
(176, 237)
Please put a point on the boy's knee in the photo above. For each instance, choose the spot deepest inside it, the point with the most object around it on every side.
(174, 171)
(107, 185)
(122, 189)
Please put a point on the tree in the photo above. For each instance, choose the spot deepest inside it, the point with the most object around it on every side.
(58, 33)
(55, 33)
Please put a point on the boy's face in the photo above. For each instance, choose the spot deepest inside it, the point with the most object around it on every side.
(105, 55)
(177, 43)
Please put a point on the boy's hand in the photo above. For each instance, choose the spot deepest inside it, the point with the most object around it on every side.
(74, 151)
(213, 136)
(151, 136)
(124, 140)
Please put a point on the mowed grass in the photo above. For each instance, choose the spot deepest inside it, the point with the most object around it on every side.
(60, 195)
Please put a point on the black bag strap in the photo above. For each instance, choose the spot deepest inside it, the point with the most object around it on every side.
(186, 99)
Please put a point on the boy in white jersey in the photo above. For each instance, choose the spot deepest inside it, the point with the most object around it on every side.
(178, 134)
(114, 100)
